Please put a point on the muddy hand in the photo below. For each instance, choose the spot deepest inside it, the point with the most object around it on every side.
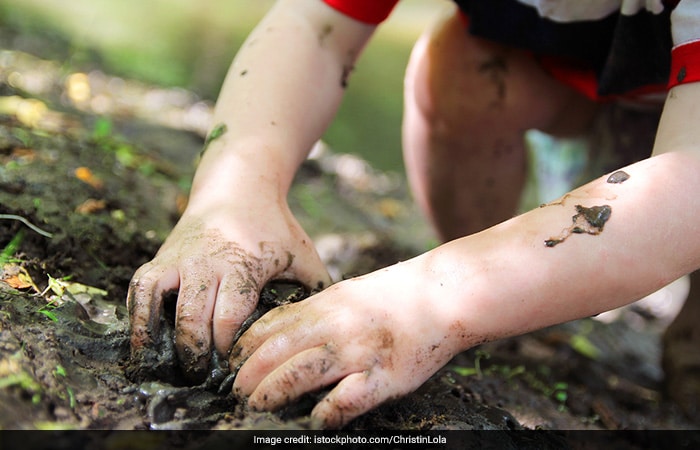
(218, 272)
(372, 338)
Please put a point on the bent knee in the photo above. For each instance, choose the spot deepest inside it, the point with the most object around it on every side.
(455, 79)
(429, 88)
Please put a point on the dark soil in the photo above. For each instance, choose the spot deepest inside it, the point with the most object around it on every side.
(103, 195)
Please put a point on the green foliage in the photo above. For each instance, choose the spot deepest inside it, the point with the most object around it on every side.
(53, 426)
(24, 381)
(124, 152)
(11, 248)
(536, 380)
(47, 311)
(23, 135)
(308, 201)
(584, 346)
(102, 128)
(60, 371)
(465, 371)
(191, 45)
(216, 133)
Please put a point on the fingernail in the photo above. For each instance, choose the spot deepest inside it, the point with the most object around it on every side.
(235, 352)
(237, 390)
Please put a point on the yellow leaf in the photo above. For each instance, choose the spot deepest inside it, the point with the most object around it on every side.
(86, 176)
(17, 277)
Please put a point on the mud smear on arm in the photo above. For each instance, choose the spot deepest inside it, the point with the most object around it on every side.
(496, 69)
(618, 177)
(347, 68)
(586, 221)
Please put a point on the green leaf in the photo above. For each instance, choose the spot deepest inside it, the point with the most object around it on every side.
(465, 371)
(584, 346)
(49, 314)
(60, 371)
(11, 248)
(102, 128)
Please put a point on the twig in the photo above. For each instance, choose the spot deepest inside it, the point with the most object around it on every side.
(27, 223)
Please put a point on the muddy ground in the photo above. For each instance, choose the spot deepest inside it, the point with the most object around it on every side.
(92, 180)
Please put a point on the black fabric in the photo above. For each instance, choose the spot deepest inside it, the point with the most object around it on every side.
(640, 53)
(626, 52)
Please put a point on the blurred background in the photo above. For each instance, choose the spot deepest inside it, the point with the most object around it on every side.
(190, 44)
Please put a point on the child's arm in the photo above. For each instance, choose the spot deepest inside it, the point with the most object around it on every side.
(237, 233)
(384, 334)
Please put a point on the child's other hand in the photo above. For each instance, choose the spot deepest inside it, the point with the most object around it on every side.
(378, 337)
(218, 260)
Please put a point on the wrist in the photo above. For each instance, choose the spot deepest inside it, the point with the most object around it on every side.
(228, 176)
(483, 288)
(453, 289)
(446, 298)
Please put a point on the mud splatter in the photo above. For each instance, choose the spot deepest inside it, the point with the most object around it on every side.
(561, 201)
(347, 69)
(585, 221)
(618, 177)
(325, 32)
(496, 69)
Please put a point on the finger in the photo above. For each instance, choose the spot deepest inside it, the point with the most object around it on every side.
(307, 371)
(193, 321)
(233, 305)
(145, 301)
(356, 394)
(269, 339)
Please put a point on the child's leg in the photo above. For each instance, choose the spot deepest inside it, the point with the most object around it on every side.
(468, 103)
(681, 359)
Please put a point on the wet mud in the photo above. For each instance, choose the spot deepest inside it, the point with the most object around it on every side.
(585, 221)
(618, 177)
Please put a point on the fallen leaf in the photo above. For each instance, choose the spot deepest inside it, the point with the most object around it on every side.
(59, 287)
(17, 277)
(86, 176)
(18, 282)
(24, 154)
(90, 206)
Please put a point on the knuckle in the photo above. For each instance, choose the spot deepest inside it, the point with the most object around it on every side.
(144, 280)
(139, 281)
(288, 379)
(229, 321)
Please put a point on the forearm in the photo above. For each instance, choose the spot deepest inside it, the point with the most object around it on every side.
(533, 271)
(280, 94)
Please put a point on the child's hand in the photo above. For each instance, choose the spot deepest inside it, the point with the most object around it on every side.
(378, 336)
(219, 260)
